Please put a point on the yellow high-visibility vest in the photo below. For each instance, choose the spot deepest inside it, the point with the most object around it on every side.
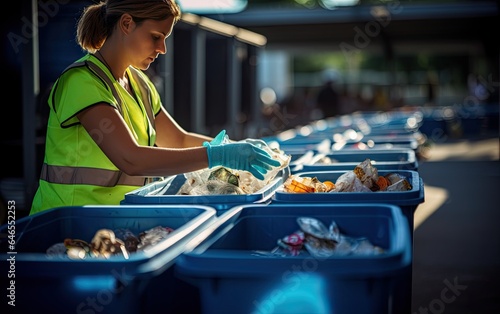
(75, 171)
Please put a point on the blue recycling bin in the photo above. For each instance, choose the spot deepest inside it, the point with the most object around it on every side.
(396, 159)
(165, 192)
(235, 277)
(145, 281)
(436, 122)
(407, 201)
(299, 159)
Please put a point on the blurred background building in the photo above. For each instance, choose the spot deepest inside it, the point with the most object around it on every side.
(381, 54)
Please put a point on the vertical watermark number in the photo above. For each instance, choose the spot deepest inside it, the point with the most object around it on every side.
(11, 259)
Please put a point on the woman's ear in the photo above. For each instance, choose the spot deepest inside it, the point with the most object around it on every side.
(126, 23)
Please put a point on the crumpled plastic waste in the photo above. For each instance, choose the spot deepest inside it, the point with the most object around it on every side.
(297, 184)
(367, 174)
(107, 243)
(363, 178)
(153, 236)
(315, 239)
(130, 240)
(349, 182)
(58, 249)
(219, 180)
(226, 181)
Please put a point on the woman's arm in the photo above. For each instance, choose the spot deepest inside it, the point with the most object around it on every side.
(121, 148)
(170, 134)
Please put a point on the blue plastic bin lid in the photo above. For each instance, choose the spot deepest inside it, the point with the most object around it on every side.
(390, 138)
(378, 142)
(301, 158)
(229, 250)
(304, 141)
(298, 159)
(397, 159)
(323, 145)
(404, 198)
(165, 192)
(36, 233)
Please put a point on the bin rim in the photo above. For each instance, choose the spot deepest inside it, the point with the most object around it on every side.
(411, 162)
(412, 198)
(144, 195)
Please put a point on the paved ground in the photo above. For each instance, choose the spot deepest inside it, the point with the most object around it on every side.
(456, 266)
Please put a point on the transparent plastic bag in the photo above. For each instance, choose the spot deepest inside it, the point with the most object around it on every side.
(209, 181)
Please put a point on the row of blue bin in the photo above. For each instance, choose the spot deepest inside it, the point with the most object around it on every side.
(209, 265)
(393, 159)
(391, 140)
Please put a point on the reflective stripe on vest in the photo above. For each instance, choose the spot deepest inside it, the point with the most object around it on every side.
(89, 176)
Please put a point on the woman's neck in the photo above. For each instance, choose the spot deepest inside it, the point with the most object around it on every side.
(112, 62)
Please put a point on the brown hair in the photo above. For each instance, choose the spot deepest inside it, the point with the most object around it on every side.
(98, 20)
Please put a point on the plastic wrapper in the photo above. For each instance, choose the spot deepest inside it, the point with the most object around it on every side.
(397, 183)
(107, 243)
(367, 174)
(295, 184)
(153, 236)
(349, 182)
(58, 249)
(319, 241)
(212, 187)
(317, 229)
(129, 239)
(218, 180)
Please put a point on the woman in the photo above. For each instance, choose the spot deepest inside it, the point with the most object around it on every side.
(107, 130)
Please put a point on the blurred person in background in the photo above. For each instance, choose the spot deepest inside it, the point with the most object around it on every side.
(327, 99)
(380, 101)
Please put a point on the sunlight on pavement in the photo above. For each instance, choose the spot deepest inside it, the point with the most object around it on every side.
(434, 198)
(487, 149)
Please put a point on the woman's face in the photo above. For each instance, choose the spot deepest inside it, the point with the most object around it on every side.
(147, 40)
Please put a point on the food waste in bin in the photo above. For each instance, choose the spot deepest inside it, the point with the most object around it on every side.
(223, 180)
(107, 243)
(315, 239)
(363, 178)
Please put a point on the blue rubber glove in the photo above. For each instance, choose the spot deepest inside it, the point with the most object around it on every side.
(216, 140)
(241, 156)
(257, 142)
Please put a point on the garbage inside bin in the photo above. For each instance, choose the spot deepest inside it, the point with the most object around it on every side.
(363, 178)
(236, 273)
(194, 188)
